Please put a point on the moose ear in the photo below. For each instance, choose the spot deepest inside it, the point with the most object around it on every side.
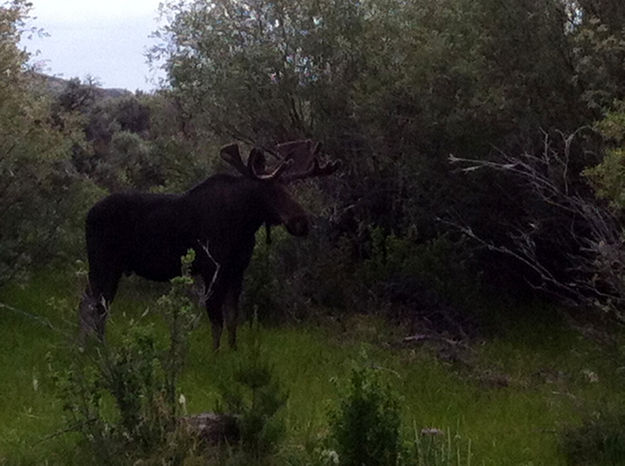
(317, 148)
(257, 162)
(231, 154)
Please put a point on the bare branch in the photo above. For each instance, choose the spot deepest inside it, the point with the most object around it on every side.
(209, 290)
(596, 268)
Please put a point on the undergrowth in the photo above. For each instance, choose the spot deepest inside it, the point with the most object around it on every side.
(123, 398)
(444, 408)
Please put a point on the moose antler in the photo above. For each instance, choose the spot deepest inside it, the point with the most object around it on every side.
(316, 169)
(304, 153)
(255, 168)
(298, 156)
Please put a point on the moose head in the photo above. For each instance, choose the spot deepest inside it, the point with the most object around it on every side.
(297, 160)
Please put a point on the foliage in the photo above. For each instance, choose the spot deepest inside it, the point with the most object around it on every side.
(507, 426)
(440, 265)
(129, 141)
(365, 428)
(433, 448)
(392, 88)
(608, 177)
(41, 198)
(262, 289)
(599, 440)
(257, 397)
(287, 279)
(124, 399)
(599, 51)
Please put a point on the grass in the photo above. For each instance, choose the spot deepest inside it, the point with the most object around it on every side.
(553, 377)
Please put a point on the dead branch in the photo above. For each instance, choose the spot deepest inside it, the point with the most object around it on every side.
(596, 267)
(208, 290)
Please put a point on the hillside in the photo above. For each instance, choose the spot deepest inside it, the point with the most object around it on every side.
(55, 85)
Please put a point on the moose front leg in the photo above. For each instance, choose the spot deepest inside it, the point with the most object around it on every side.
(217, 324)
(214, 304)
(231, 306)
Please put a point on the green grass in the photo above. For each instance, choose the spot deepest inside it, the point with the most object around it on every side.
(546, 365)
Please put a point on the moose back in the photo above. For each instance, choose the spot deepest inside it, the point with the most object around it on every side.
(146, 233)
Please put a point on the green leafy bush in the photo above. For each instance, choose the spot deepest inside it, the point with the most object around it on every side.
(608, 177)
(256, 396)
(600, 440)
(289, 278)
(440, 265)
(365, 428)
(124, 398)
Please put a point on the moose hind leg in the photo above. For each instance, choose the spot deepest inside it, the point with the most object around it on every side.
(91, 316)
(94, 305)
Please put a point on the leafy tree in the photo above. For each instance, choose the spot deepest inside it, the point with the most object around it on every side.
(77, 96)
(393, 88)
(41, 197)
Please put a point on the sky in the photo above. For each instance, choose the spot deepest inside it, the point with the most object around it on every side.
(106, 39)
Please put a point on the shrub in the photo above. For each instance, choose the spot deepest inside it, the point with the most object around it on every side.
(288, 277)
(256, 396)
(365, 429)
(42, 199)
(123, 398)
(599, 440)
(440, 265)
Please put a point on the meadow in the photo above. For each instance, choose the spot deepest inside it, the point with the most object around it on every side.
(504, 401)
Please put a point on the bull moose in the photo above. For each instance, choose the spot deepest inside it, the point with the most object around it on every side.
(147, 233)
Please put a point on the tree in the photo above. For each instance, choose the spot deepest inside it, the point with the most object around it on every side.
(393, 87)
(40, 195)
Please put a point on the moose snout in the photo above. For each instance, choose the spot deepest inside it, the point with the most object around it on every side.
(298, 226)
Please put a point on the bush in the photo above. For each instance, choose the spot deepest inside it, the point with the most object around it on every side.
(293, 278)
(123, 399)
(365, 429)
(42, 199)
(599, 441)
(440, 265)
(256, 396)
(288, 278)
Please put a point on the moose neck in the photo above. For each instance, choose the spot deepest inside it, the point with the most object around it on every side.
(237, 202)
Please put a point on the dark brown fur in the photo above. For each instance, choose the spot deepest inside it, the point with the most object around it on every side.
(146, 234)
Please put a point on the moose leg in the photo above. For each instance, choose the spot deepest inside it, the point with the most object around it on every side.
(94, 306)
(214, 306)
(231, 305)
(217, 324)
